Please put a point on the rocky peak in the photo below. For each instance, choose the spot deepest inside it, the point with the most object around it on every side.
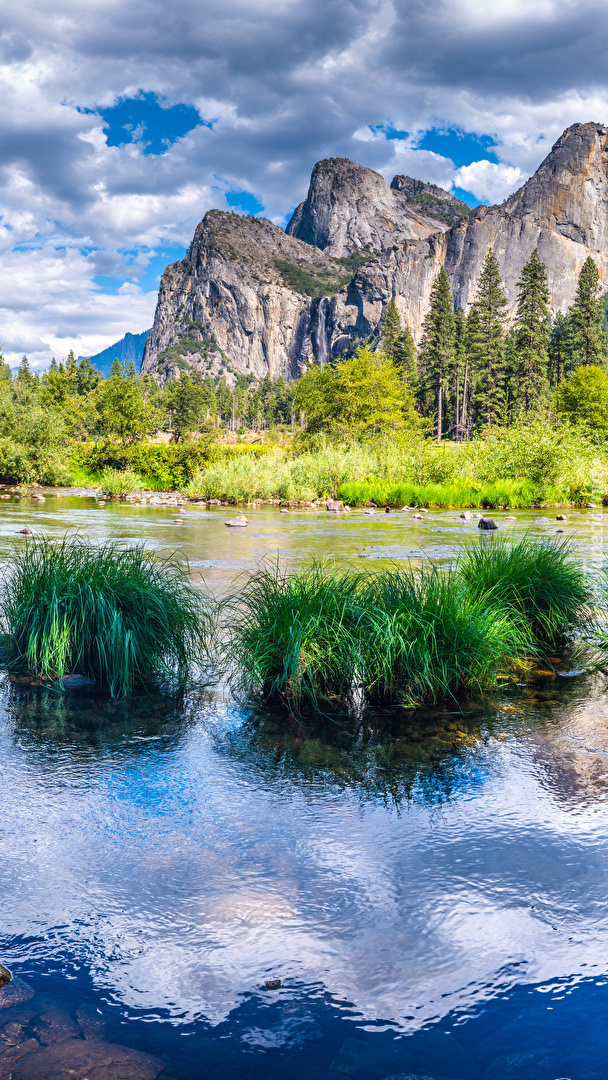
(431, 201)
(350, 207)
(569, 191)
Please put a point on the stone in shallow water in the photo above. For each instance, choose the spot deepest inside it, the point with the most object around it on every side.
(15, 993)
(9, 1056)
(80, 1060)
(75, 682)
(5, 976)
(53, 1026)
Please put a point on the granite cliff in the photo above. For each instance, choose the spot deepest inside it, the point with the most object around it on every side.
(250, 297)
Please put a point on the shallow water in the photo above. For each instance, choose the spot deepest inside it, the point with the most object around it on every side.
(431, 892)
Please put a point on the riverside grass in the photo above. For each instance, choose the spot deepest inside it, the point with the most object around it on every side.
(325, 640)
(112, 613)
(537, 582)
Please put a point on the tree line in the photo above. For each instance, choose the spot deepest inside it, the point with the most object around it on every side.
(482, 369)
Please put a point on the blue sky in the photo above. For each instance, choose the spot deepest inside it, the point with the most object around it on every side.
(124, 122)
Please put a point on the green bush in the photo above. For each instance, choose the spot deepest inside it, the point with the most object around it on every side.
(112, 613)
(455, 495)
(117, 482)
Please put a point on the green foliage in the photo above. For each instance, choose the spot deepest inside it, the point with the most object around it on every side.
(314, 280)
(459, 494)
(295, 638)
(123, 411)
(587, 342)
(432, 639)
(111, 613)
(531, 331)
(117, 482)
(437, 350)
(332, 640)
(558, 350)
(487, 342)
(536, 582)
(356, 397)
(583, 400)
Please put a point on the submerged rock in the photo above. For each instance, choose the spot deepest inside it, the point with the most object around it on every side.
(5, 976)
(77, 1059)
(75, 682)
(16, 992)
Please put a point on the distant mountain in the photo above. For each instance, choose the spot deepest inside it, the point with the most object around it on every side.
(130, 347)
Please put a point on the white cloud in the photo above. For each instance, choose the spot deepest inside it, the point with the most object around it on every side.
(284, 86)
(488, 181)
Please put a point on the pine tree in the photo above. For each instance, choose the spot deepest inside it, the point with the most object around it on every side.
(487, 346)
(391, 329)
(397, 343)
(558, 350)
(587, 343)
(460, 366)
(472, 336)
(437, 349)
(531, 329)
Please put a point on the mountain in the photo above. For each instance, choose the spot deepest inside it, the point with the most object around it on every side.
(249, 297)
(129, 348)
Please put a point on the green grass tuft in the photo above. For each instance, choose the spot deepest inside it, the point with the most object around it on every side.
(432, 639)
(456, 494)
(115, 614)
(536, 581)
(117, 482)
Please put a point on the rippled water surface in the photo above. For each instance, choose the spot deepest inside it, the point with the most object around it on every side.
(431, 891)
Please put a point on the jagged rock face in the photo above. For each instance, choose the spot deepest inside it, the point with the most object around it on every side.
(249, 297)
(349, 207)
(243, 300)
(430, 200)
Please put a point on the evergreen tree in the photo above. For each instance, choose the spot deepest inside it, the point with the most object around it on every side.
(460, 365)
(531, 329)
(472, 336)
(397, 343)
(437, 348)
(587, 343)
(558, 350)
(487, 345)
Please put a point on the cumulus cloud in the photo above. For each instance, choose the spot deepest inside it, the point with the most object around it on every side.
(278, 84)
(489, 182)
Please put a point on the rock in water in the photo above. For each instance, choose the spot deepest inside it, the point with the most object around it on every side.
(335, 505)
(486, 523)
(561, 517)
(16, 992)
(77, 1059)
(5, 976)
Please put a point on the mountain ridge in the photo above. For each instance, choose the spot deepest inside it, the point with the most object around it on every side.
(249, 298)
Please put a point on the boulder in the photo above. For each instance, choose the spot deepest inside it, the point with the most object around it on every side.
(486, 523)
(335, 505)
(561, 517)
(466, 516)
(5, 976)
(77, 1059)
(16, 992)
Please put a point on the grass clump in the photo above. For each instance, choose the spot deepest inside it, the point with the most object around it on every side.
(457, 494)
(535, 581)
(296, 638)
(112, 613)
(117, 482)
(432, 638)
(333, 640)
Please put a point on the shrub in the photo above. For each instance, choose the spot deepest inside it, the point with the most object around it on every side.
(536, 581)
(112, 613)
(117, 482)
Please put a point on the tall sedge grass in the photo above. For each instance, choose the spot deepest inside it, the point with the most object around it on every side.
(296, 638)
(456, 494)
(432, 639)
(113, 613)
(329, 639)
(537, 582)
(117, 482)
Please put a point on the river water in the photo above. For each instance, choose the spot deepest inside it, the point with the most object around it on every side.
(431, 891)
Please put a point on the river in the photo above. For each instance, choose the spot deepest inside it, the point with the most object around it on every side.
(430, 890)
